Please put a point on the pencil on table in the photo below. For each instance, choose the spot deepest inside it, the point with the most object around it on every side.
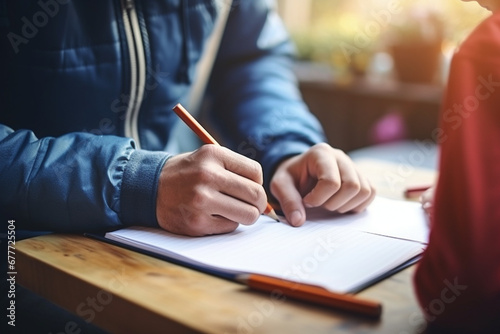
(415, 191)
(208, 139)
(313, 294)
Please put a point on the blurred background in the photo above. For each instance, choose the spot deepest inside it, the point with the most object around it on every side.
(373, 71)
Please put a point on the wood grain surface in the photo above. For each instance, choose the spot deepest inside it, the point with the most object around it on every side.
(126, 292)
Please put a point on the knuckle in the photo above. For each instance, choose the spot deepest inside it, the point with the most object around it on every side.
(365, 192)
(250, 216)
(339, 151)
(321, 147)
(351, 185)
(361, 208)
(257, 194)
(331, 206)
(253, 169)
(200, 198)
(341, 154)
(208, 148)
(208, 151)
(333, 185)
(205, 175)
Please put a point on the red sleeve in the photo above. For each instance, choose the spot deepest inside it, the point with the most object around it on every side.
(458, 280)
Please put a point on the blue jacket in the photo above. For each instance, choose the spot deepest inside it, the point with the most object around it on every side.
(73, 154)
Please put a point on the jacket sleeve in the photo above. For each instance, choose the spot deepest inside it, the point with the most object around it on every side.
(77, 182)
(458, 280)
(257, 107)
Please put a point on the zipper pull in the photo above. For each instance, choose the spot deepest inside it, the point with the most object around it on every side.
(129, 4)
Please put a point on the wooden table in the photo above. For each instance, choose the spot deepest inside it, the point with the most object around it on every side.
(126, 292)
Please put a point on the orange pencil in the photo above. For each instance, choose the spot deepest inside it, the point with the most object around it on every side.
(208, 139)
(313, 294)
(415, 191)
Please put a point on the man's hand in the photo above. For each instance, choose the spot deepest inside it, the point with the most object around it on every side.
(209, 191)
(321, 177)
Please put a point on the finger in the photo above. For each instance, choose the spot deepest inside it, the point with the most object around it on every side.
(234, 210)
(231, 161)
(241, 165)
(427, 195)
(427, 206)
(358, 199)
(348, 190)
(335, 187)
(221, 225)
(197, 223)
(211, 225)
(367, 202)
(328, 183)
(216, 177)
(243, 190)
(284, 190)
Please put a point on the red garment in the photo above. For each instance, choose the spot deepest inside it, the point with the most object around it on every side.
(458, 280)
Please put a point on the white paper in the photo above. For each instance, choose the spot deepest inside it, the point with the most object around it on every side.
(389, 217)
(335, 253)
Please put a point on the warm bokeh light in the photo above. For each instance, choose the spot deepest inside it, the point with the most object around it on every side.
(347, 33)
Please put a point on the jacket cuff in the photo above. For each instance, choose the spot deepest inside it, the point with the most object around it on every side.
(139, 188)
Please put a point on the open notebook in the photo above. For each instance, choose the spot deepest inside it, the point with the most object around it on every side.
(342, 253)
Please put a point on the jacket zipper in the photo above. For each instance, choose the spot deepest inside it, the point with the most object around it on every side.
(137, 69)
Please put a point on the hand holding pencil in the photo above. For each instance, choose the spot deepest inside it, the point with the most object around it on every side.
(208, 139)
(209, 191)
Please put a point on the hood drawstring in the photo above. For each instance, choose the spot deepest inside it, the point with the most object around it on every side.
(183, 73)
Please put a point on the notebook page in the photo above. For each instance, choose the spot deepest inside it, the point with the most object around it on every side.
(389, 217)
(335, 256)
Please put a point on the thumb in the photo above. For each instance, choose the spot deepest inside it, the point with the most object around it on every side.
(290, 201)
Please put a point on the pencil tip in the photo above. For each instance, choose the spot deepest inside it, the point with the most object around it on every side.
(272, 214)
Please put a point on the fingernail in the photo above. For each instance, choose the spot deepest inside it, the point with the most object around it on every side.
(296, 218)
